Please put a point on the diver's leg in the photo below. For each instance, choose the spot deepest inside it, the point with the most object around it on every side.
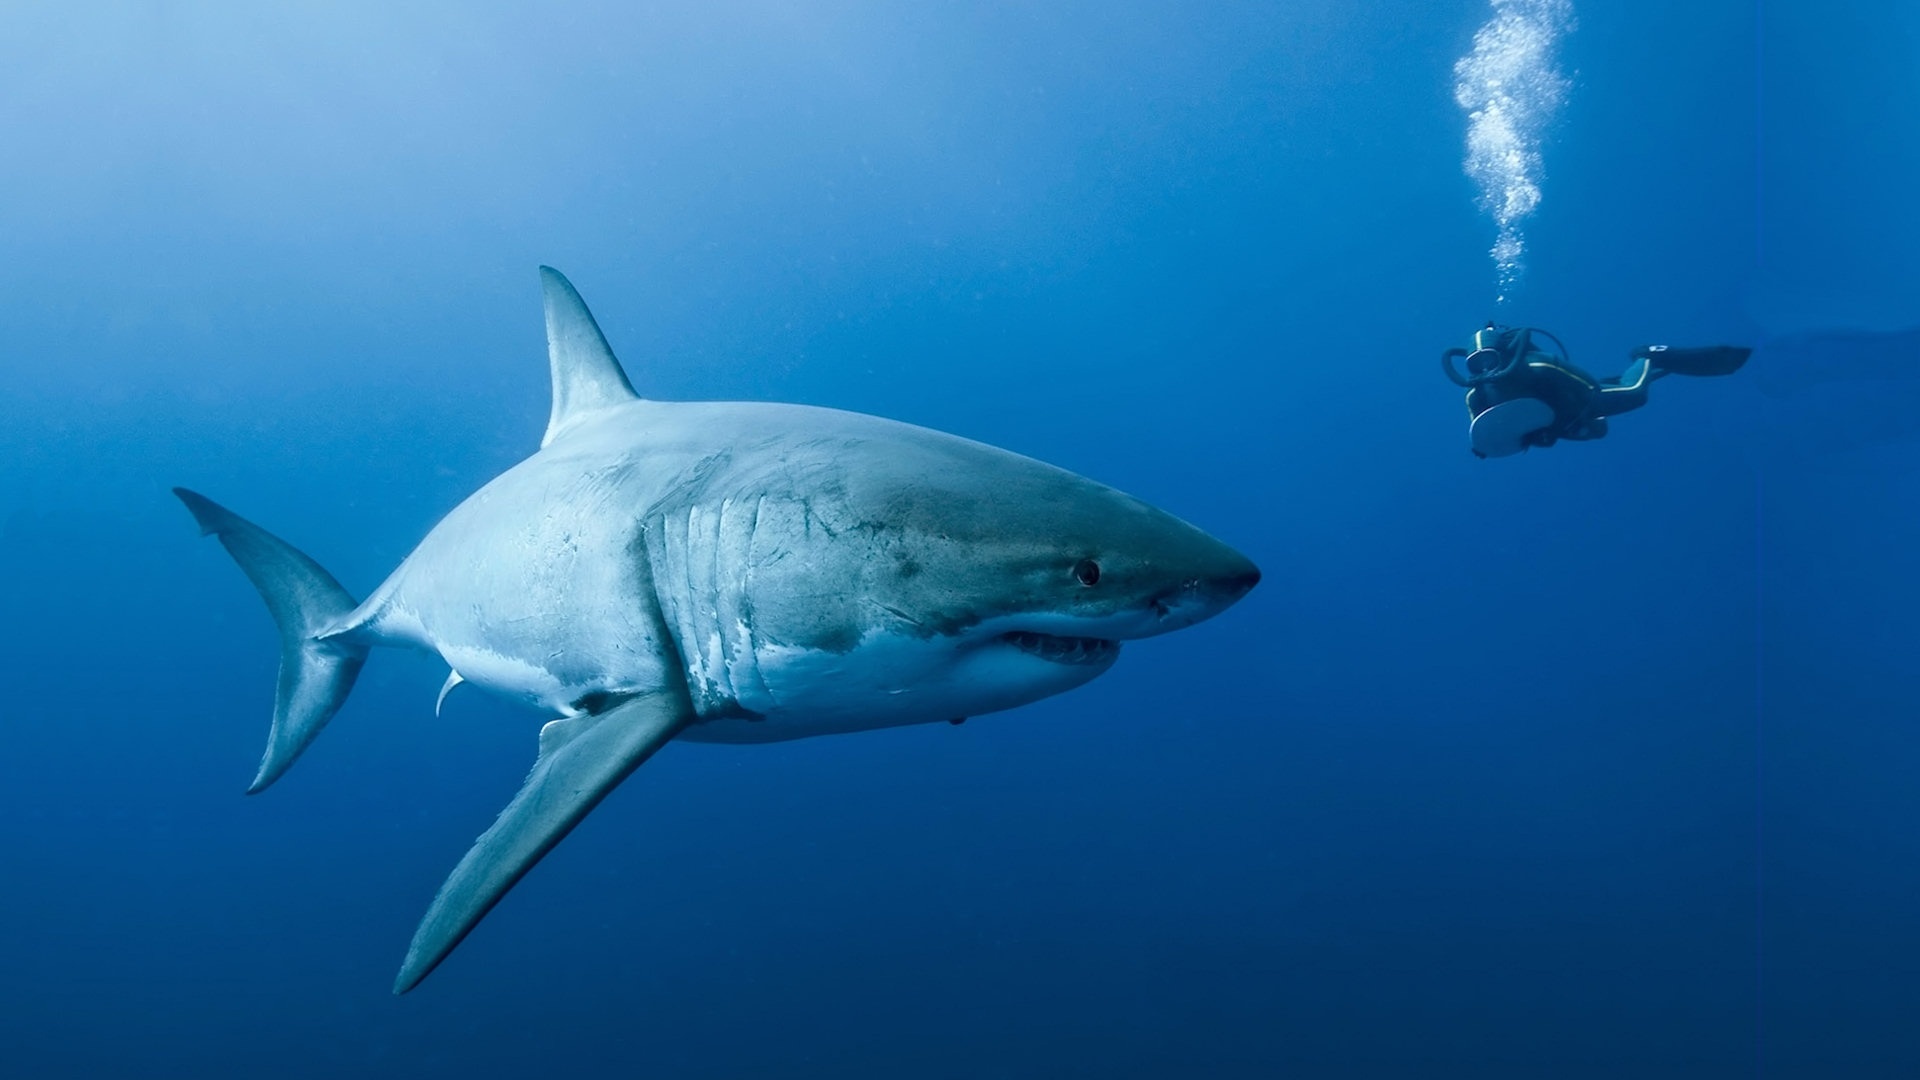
(1629, 391)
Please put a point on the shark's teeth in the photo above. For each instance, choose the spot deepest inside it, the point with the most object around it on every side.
(1062, 650)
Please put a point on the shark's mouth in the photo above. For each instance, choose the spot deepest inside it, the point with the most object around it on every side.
(1063, 650)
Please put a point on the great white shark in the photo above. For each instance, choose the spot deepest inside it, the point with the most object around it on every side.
(737, 572)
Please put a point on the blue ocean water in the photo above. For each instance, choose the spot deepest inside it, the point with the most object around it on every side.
(1598, 761)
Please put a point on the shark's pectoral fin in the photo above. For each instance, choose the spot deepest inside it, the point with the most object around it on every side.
(586, 377)
(582, 758)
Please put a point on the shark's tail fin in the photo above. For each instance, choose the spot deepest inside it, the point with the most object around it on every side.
(316, 672)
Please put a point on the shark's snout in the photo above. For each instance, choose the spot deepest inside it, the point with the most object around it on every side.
(1238, 581)
(1228, 576)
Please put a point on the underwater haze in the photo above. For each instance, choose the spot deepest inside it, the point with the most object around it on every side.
(1598, 761)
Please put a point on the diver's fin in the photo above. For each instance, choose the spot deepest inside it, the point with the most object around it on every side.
(582, 758)
(586, 377)
(1705, 360)
(453, 680)
(316, 673)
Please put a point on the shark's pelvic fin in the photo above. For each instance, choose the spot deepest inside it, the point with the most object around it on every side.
(453, 680)
(582, 758)
(316, 672)
(586, 377)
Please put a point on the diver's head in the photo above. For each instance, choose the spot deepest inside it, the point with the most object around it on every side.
(1492, 352)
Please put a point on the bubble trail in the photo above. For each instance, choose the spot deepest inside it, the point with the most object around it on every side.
(1510, 89)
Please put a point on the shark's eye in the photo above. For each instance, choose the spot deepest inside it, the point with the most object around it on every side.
(1086, 572)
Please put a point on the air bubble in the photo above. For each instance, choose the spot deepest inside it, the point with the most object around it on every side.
(1510, 90)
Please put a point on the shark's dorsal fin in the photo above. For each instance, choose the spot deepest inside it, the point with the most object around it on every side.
(586, 377)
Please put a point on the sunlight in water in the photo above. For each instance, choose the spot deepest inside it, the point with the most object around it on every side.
(1510, 89)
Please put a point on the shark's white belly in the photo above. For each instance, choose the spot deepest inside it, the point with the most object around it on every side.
(888, 680)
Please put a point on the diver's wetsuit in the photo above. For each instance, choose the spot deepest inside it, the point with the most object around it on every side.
(1507, 366)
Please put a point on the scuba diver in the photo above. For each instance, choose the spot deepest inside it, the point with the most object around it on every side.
(1522, 393)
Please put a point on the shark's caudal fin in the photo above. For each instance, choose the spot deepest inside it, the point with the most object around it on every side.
(586, 377)
(315, 673)
(582, 758)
